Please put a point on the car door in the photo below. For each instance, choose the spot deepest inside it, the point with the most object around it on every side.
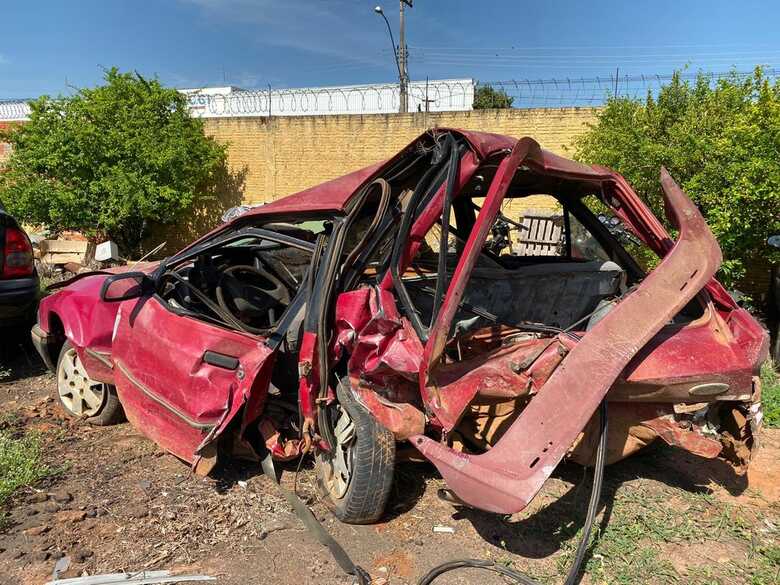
(180, 379)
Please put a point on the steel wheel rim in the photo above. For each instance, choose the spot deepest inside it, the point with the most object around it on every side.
(339, 462)
(80, 395)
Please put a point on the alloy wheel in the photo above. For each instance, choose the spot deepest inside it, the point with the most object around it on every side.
(81, 395)
(339, 463)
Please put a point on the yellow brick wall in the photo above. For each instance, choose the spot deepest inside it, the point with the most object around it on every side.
(287, 154)
(270, 158)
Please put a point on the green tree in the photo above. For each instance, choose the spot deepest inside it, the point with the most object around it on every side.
(108, 160)
(720, 140)
(487, 97)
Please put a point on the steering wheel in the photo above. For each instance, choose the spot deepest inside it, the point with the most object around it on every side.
(253, 295)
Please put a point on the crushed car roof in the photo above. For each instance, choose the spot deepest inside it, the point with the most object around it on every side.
(333, 195)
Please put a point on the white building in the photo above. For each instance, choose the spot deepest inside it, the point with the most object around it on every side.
(14, 110)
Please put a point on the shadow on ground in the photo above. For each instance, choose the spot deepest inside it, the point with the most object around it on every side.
(18, 358)
(545, 531)
(562, 515)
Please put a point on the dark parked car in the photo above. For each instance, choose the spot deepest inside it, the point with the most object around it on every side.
(18, 278)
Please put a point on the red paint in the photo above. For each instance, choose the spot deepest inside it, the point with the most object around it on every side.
(307, 370)
(166, 388)
(84, 319)
(506, 478)
(632, 356)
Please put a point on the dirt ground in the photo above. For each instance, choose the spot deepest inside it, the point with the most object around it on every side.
(116, 502)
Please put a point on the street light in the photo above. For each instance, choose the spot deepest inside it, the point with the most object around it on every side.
(400, 54)
(380, 12)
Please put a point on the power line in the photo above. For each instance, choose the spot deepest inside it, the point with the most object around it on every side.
(580, 47)
(617, 55)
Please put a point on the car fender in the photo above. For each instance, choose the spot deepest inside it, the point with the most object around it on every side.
(77, 314)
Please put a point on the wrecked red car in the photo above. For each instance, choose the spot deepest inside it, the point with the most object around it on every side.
(391, 311)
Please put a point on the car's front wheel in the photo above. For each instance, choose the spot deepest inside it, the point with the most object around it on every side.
(357, 474)
(83, 397)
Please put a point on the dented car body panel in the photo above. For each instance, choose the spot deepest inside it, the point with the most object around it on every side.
(395, 281)
(506, 478)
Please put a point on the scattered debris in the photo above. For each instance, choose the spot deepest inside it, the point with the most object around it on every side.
(137, 511)
(80, 554)
(36, 530)
(140, 578)
(37, 498)
(70, 516)
(237, 211)
(272, 526)
(107, 251)
(60, 252)
(62, 497)
(444, 529)
(62, 565)
(72, 267)
(149, 254)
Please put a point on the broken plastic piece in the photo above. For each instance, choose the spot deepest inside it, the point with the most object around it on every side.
(140, 578)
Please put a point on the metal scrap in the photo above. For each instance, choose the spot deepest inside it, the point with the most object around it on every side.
(140, 578)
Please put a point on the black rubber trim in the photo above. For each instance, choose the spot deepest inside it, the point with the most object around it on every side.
(220, 360)
(428, 184)
(43, 343)
(444, 240)
(313, 525)
(259, 233)
(573, 575)
(283, 325)
(145, 286)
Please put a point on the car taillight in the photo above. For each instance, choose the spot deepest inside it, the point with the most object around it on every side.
(18, 252)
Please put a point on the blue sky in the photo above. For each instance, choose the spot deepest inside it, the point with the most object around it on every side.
(48, 46)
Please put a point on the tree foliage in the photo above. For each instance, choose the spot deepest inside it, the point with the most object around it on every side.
(107, 160)
(487, 97)
(720, 141)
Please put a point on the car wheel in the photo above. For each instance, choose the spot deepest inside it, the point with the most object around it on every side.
(83, 397)
(356, 476)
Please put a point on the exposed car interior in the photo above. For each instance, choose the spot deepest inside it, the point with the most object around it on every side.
(255, 278)
(246, 283)
(245, 280)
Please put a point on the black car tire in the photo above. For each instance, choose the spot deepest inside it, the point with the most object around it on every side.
(372, 463)
(107, 412)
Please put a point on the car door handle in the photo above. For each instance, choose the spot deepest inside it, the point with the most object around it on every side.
(220, 360)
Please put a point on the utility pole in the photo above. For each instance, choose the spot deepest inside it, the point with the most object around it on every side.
(403, 58)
